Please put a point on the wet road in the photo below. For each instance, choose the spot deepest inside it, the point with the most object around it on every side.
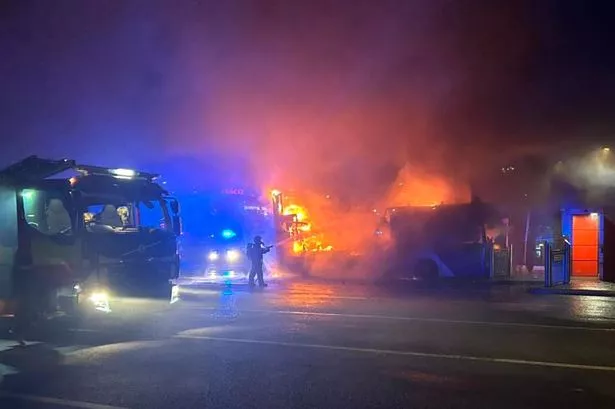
(320, 345)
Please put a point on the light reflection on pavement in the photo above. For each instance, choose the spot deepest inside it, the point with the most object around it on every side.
(223, 345)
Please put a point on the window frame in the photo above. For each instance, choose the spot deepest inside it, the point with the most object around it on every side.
(166, 214)
(55, 192)
(133, 205)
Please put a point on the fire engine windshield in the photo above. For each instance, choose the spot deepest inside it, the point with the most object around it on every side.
(108, 213)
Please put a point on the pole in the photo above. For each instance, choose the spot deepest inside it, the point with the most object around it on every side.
(525, 237)
(548, 265)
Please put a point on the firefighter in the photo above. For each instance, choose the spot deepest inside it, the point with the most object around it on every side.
(255, 253)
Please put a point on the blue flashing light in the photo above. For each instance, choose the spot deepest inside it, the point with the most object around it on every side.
(228, 234)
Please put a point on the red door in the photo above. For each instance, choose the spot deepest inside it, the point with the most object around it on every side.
(585, 242)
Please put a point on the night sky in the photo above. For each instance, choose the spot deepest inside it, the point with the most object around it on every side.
(343, 89)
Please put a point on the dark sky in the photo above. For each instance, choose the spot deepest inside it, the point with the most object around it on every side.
(343, 89)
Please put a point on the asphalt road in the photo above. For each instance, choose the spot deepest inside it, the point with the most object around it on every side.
(302, 344)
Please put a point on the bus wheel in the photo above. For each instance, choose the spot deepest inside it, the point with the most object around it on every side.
(426, 270)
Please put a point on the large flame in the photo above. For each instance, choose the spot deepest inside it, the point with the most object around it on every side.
(415, 188)
(301, 232)
(299, 212)
(323, 221)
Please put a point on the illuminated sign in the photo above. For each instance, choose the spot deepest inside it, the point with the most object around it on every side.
(233, 191)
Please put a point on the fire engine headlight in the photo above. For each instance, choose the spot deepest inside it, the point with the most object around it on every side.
(99, 297)
(232, 255)
(213, 256)
(100, 300)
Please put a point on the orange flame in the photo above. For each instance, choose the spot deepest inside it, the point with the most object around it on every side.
(297, 210)
(415, 188)
(297, 246)
(300, 230)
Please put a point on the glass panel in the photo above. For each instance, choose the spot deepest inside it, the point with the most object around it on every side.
(46, 211)
(153, 215)
(8, 239)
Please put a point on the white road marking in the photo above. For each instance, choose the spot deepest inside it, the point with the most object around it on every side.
(6, 370)
(419, 319)
(56, 401)
(68, 350)
(405, 353)
(83, 330)
(7, 344)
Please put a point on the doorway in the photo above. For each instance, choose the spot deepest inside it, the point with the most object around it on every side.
(585, 245)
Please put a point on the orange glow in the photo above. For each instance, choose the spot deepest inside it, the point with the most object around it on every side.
(297, 211)
(300, 231)
(415, 188)
(324, 223)
(297, 246)
(300, 295)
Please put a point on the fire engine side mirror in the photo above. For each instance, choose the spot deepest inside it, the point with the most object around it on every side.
(177, 225)
(174, 207)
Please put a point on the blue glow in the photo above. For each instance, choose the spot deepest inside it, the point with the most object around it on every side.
(228, 234)
(28, 194)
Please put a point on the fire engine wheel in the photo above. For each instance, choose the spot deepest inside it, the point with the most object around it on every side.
(426, 269)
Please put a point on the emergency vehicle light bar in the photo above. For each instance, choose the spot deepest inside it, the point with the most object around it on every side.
(120, 173)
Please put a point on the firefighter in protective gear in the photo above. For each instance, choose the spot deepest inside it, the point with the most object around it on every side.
(255, 253)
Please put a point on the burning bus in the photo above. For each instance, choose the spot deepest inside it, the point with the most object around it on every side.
(83, 239)
(441, 241)
(411, 241)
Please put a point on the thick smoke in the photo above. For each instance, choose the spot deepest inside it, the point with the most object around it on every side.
(591, 173)
(305, 92)
(318, 94)
(337, 99)
(374, 104)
